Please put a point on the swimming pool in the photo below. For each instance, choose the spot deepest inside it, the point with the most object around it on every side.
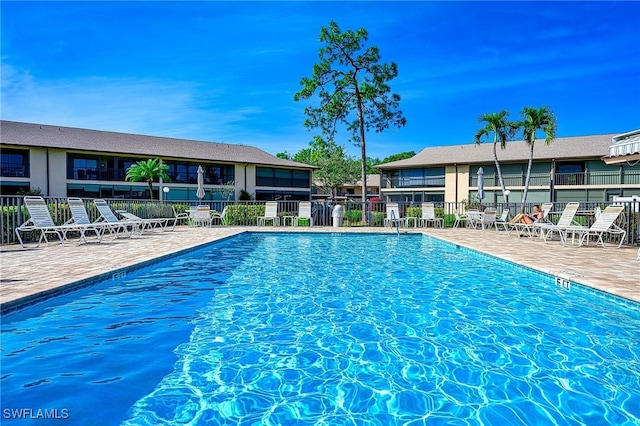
(331, 329)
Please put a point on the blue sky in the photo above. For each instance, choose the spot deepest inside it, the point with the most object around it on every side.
(227, 71)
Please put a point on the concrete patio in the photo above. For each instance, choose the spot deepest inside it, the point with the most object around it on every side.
(33, 273)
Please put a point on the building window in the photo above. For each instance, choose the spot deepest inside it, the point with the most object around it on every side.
(219, 174)
(14, 163)
(269, 176)
(187, 172)
(570, 173)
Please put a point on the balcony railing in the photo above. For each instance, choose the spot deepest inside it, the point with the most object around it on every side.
(117, 175)
(13, 170)
(418, 182)
(536, 179)
(627, 177)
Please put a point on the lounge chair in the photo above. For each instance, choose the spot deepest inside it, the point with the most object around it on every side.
(528, 227)
(40, 220)
(566, 220)
(304, 213)
(429, 216)
(107, 215)
(81, 217)
(270, 214)
(393, 216)
(604, 224)
(149, 224)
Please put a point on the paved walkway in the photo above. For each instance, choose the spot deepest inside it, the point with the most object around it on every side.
(32, 273)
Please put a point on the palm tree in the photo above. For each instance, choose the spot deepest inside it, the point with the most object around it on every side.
(148, 170)
(534, 120)
(502, 129)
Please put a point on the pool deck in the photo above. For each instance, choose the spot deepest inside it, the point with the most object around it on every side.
(30, 274)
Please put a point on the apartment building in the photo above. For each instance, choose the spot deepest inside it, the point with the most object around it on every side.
(66, 161)
(584, 168)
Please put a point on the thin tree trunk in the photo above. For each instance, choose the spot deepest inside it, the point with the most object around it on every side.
(150, 183)
(363, 152)
(495, 159)
(526, 181)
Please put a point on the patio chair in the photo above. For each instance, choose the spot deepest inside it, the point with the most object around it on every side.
(81, 217)
(177, 217)
(393, 216)
(597, 212)
(220, 217)
(502, 220)
(488, 219)
(460, 218)
(270, 214)
(40, 220)
(604, 224)
(429, 216)
(304, 213)
(107, 215)
(566, 220)
(473, 218)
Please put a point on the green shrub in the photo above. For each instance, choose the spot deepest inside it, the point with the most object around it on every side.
(243, 214)
(353, 216)
(377, 218)
(414, 212)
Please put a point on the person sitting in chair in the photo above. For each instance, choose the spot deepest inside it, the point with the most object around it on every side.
(535, 216)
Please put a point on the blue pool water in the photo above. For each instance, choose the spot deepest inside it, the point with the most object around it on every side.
(325, 329)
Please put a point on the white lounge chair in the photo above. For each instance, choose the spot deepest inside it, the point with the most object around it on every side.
(81, 217)
(393, 216)
(107, 215)
(270, 214)
(304, 213)
(40, 220)
(149, 224)
(566, 220)
(429, 216)
(604, 224)
(528, 227)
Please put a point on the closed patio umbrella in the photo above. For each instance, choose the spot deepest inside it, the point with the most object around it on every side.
(480, 183)
(200, 192)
